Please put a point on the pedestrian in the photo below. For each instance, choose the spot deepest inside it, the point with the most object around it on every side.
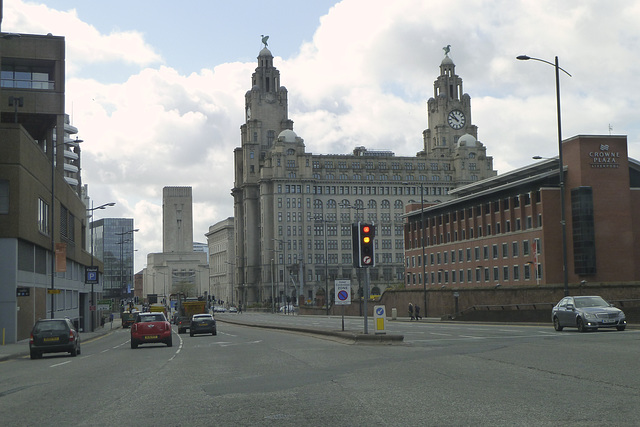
(418, 312)
(411, 311)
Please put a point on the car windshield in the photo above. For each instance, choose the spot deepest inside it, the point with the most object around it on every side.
(202, 316)
(585, 302)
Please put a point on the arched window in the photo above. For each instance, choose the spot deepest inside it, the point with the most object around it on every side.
(291, 152)
(385, 204)
(331, 204)
(317, 204)
(398, 204)
(372, 204)
(358, 204)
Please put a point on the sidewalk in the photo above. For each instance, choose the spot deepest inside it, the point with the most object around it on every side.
(263, 321)
(21, 348)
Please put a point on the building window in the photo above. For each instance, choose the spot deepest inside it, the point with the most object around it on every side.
(43, 216)
(25, 77)
(4, 196)
(584, 250)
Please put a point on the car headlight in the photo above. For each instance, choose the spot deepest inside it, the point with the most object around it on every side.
(589, 316)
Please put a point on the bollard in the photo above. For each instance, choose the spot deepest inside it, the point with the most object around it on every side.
(394, 313)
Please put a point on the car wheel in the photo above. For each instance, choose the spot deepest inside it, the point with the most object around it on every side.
(169, 342)
(74, 352)
(556, 324)
(214, 332)
(79, 351)
(580, 325)
(134, 344)
(191, 333)
(35, 355)
(620, 328)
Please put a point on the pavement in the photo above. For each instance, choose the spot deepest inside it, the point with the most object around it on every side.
(288, 323)
(21, 348)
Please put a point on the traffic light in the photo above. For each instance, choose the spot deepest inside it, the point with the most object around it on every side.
(363, 247)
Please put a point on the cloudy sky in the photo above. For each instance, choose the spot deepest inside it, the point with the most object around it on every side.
(156, 87)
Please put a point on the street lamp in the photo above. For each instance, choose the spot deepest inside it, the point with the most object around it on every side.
(93, 297)
(284, 277)
(53, 210)
(122, 242)
(560, 167)
(233, 273)
(326, 261)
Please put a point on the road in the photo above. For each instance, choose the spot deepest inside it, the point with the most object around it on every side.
(444, 374)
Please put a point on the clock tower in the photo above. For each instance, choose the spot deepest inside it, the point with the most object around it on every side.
(449, 112)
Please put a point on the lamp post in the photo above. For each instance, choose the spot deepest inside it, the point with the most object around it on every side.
(563, 224)
(284, 277)
(122, 242)
(233, 273)
(52, 216)
(326, 261)
(93, 296)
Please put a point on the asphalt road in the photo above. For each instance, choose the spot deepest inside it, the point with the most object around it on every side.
(443, 375)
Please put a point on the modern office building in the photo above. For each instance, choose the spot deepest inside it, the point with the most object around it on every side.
(43, 226)
(506, 231)
(113, 241)
(297, 208)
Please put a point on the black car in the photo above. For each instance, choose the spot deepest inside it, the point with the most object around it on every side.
(54, 336)
(203, 324)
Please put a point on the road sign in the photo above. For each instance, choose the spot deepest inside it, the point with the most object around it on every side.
(53, 291)
(343, 292)
(380, 318)
(91, 275)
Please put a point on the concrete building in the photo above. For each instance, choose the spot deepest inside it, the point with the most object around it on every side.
(221, 243)
(505, 232)
(297, 208)
(43, 226)
(178, 269)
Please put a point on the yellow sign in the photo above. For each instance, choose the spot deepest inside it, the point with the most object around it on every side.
(53, 291)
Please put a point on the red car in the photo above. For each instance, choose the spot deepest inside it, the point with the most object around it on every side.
(150, 328)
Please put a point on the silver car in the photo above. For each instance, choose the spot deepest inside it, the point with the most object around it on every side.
(587, 313)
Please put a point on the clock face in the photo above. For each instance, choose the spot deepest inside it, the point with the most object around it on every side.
(456, 119)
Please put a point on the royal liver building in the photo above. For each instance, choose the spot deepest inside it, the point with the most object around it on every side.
(294, 209)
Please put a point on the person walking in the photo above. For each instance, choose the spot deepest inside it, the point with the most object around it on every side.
(411, 311)
(418, 312)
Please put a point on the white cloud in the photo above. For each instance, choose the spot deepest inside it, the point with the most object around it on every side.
(364, 79)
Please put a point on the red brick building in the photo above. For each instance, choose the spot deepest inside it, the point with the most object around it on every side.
(505, 231)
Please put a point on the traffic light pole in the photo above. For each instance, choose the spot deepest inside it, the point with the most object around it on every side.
(367, 278)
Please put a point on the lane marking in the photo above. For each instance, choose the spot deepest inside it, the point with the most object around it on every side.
(60, 364)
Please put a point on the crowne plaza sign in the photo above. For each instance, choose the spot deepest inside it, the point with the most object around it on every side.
(603, 158)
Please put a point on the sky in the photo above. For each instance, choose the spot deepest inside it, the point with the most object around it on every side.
(156, 87)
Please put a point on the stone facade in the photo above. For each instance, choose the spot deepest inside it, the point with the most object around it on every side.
(296, 208)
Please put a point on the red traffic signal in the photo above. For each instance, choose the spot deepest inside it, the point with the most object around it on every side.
(366, 255)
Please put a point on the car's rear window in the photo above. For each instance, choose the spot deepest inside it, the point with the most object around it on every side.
(152, 318)
(50, 326)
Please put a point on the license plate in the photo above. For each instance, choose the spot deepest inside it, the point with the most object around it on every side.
(51, 339)
(609, 321)
(151, 337)
(203, 324)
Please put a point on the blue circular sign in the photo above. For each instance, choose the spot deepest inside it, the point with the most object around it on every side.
(380, 311)
(343, 295)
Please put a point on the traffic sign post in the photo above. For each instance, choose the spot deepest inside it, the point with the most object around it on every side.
(343, 295)
(380, 318)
